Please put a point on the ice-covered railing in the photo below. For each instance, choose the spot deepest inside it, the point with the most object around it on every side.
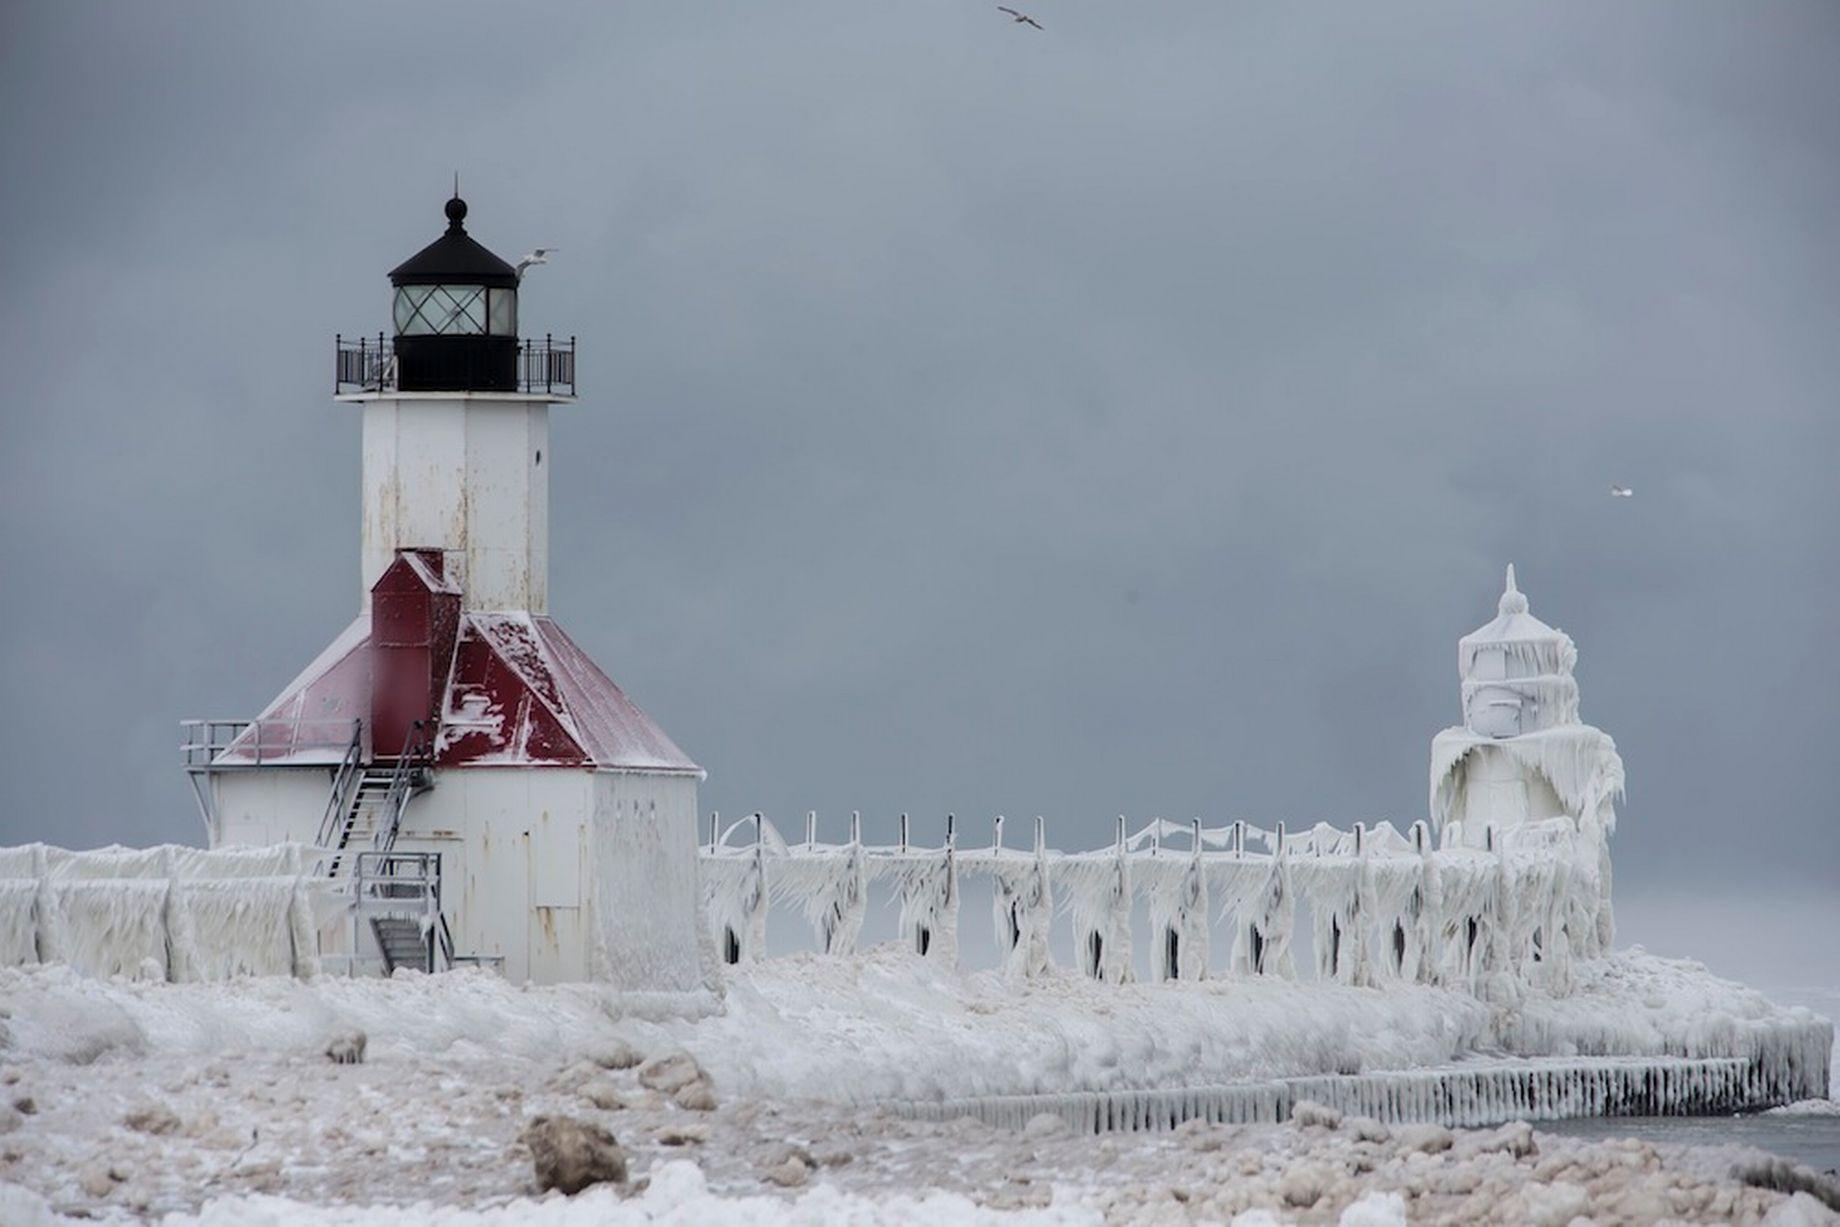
(1382, 904)
(168, 912)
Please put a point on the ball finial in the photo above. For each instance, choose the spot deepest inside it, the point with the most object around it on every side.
(1513, 601)
(456, 212)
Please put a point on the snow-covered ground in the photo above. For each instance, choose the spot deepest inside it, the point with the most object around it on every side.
(215, 1102)
(885, 1026)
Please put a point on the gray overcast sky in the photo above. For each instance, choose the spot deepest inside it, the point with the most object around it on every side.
(1123, 417)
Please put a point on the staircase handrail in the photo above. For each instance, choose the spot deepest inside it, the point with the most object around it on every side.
(415, 758)
(344, 779)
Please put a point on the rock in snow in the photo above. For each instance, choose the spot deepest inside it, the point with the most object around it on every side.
(152, 1118)
(698, 1095)
(669, 1072)
(570, 1154)
(616, 1054)
(1431, 1139)
(1045, 1125)
(1308, 1112)
(99, 1178)
(603, 1094)
(347, 1047)
(788, 1173)
(683, 1135)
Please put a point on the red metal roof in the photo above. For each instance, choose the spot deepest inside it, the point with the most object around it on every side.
(521, 694)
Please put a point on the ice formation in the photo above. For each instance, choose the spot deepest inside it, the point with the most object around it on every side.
(926, 884)
(1382, 905)
(1470, 1096)
(734, 887)
(1021, 901)
(1095, 888)
(166, 912)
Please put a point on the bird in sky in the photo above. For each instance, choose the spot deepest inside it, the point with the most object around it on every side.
(1021, 19)
(539, 256)
(1621, 492)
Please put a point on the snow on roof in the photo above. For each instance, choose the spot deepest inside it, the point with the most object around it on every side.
(435, 582)
(1580, 762)
(612, 728)
(310, 723)
(521, 693)
(1515, 629)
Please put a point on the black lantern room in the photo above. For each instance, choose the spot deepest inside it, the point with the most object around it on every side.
(455, 312)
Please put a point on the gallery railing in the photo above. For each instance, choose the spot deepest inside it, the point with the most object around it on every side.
(369, 364)
(1381, 904)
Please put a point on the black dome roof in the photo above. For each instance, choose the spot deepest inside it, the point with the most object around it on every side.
(454, 257)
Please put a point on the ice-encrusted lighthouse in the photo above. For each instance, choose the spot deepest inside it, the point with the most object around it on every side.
(1521, 755)
(453, 715)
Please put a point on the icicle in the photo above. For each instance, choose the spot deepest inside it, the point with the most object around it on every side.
(18, 921)
(1022, 905)
(115, 926)
(736, 895)
(927, 891)
(1097, 898)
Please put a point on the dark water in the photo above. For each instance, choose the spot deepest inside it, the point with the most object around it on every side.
(1813, 1140)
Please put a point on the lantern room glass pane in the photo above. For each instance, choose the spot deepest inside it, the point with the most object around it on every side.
(440, 310)
(502, 318)
(407, 313)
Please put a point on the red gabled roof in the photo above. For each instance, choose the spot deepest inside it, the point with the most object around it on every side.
(520, 693)
(311, 722)
(612, 728)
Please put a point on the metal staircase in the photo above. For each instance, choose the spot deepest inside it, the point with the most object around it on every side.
(403, 944)
(369, 800)
(395, 895)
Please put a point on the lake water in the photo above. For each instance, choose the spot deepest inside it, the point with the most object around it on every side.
(1813, 1140)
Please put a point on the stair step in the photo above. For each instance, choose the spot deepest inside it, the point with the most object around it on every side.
(401, 941)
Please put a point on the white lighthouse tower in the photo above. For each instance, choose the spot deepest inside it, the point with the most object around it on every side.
(1522, 757)
(454, 716)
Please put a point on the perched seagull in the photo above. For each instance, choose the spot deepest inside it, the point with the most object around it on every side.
(1621, 492)
(539, 256)
(1021, 19)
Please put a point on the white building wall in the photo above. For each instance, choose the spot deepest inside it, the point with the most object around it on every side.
(645, 900)
(564, 874)
(1496, 790)
(270, 805)
(467, 473)
(512, 843)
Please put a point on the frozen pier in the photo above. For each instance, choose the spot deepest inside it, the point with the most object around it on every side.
(1470, 1095)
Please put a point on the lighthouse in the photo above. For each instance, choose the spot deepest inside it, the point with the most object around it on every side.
(453, 750)
(1522, 762)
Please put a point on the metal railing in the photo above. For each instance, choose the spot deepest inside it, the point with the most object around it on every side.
(344, 784)
(368, 364)
(217, 745)
(209, 746)
(404, 885)
(409, 777)
(408, 885)
(1379, 903)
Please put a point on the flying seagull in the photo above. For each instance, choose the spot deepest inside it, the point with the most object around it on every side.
(1021, 19)
(539, 256)
(1621, 492)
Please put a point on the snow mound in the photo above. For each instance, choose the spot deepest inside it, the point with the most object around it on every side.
(676, 1195)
